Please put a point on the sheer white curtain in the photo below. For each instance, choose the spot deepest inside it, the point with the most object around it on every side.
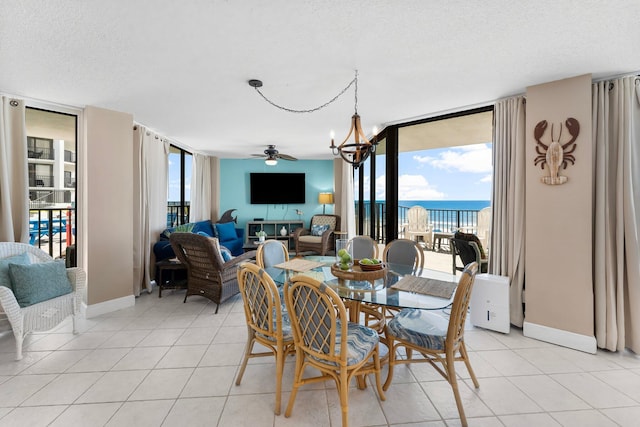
(616, 133)
(200, 208)
(343, 176)
(151, 157)
(507, 235)
(14, 175)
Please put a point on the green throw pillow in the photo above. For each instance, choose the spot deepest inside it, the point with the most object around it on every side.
(5, 279)
(39, 282)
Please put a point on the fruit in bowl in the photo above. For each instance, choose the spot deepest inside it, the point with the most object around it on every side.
(370, 264)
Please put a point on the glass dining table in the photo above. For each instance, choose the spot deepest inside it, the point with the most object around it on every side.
(379, 291)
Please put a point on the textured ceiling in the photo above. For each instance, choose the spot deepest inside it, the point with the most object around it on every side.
(181, 67)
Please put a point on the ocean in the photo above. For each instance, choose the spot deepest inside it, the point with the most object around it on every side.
(459, 205)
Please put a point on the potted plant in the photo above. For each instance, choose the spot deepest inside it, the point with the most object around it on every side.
(261, 235)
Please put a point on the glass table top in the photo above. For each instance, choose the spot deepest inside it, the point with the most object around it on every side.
(378, 291)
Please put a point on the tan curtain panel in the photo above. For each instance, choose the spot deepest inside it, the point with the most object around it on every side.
(507, 199)
(151, 163)
(616, 251)
(14, 176)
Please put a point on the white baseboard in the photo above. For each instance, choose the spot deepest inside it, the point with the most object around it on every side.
(558, 336)
(94, 310)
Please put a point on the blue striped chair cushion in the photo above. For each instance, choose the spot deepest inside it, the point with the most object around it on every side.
(360, 342)
(420, 327)
(286, 326)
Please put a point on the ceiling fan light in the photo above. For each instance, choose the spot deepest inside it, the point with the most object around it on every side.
(271, 161)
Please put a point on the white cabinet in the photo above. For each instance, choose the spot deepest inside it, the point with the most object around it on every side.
(489, 305)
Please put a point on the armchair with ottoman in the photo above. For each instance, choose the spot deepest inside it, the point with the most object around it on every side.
(319, 236)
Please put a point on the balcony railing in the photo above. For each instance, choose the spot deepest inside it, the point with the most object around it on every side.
(69, 156)
(69, 183)
(445, 220)
(53, 231)
(44, 198)
(177, 213)
(41, 181)
(40, 153)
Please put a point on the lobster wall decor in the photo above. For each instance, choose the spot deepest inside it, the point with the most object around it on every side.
(555, 154)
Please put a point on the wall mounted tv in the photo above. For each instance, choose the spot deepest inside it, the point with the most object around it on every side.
(277, 188)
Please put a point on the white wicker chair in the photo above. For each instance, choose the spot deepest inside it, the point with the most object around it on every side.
(44, 315)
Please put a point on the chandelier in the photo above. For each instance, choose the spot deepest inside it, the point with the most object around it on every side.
(354, 153)
(361, 148)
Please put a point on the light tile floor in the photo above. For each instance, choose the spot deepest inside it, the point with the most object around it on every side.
(165, 363)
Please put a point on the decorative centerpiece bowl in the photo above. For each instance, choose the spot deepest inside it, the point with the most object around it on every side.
(371, 267)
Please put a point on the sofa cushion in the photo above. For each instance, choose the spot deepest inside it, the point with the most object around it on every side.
(5, 279)
(192, 227)
(34, 283)
(226, 231)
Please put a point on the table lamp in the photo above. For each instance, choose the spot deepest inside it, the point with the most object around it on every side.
(325, 199)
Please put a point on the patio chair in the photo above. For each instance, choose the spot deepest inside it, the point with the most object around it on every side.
(208, 275)
(484, 226)
(327, 341)
(267, 323)
(440, 341)
(319, 236)
(270, 253)
(468, 248)
(418, 226)
(42, 315)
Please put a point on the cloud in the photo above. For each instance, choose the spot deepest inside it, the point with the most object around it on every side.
(410, 187)
(474, 158)
(487, 178)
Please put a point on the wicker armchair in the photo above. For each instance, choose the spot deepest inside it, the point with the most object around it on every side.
(306, 241)
(208, 275)
(44, 315)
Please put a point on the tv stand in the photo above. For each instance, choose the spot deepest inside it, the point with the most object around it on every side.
(272, 228)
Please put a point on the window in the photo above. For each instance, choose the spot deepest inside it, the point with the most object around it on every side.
(441, 163)
(179, 186)
(51, 157)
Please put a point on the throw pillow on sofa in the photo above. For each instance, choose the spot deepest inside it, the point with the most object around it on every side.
(226, 231)
(34, 283)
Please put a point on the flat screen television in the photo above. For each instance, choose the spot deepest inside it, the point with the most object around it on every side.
(277, 188)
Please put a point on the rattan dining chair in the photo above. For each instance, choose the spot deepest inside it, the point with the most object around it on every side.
(270, 253)
(362, 247)
(325, 340)
(439, 341)
(267, 324)
(404, 252)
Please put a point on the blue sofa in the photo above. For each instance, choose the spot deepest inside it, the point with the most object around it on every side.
(230, 237)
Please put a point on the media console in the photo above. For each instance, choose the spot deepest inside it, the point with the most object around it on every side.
(272, 228)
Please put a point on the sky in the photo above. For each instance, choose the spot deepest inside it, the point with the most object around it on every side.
(453, 173)
(174, 177)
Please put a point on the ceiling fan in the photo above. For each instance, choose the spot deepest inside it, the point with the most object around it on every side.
(272, 155)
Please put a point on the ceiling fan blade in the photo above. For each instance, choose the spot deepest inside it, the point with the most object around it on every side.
(258, 155)
(286, 157)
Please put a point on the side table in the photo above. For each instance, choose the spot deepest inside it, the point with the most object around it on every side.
(171, 266)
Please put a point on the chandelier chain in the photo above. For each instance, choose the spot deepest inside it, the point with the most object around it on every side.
(311, 110)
